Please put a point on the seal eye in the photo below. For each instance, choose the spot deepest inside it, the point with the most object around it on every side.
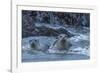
(60, 36)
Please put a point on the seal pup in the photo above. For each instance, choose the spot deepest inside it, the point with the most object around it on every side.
(34, 44)
(37, 46)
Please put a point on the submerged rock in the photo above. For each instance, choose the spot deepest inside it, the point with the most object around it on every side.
(46, 31)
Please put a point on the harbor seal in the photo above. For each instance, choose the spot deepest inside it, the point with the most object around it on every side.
(61, 45)
(37, 46)
(34, 44)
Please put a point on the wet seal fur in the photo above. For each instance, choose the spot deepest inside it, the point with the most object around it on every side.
(37, 47)
(61, 45)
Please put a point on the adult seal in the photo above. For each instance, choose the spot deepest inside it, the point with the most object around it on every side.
(61, 45)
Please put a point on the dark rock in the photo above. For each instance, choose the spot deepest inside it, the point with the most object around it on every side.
(29, 18)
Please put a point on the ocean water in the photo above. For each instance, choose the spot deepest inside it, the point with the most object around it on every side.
(79, 50)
